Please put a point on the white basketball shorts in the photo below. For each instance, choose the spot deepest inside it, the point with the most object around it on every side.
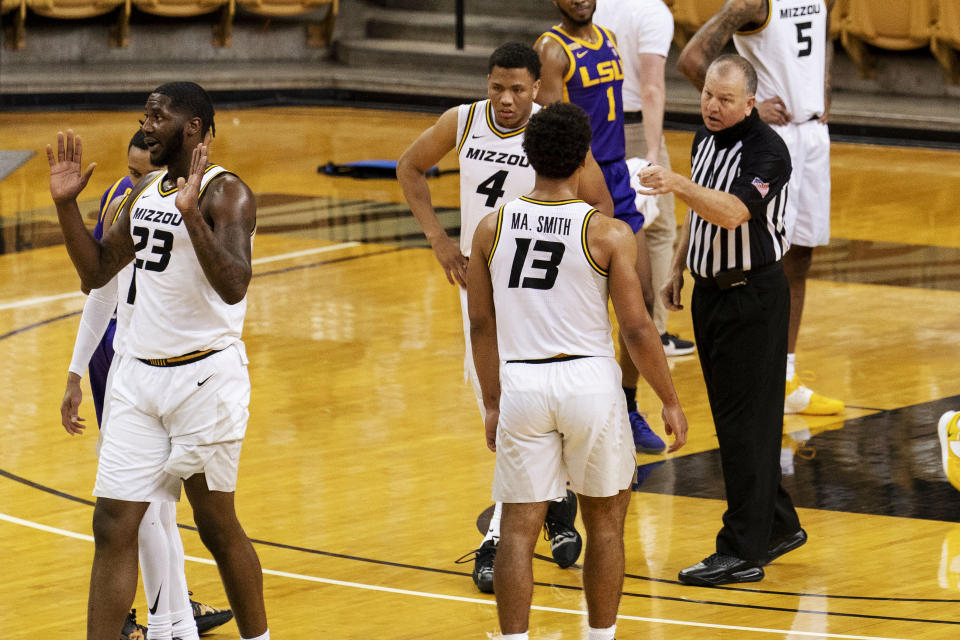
(808, 204)
(562, 421)
(169, 423)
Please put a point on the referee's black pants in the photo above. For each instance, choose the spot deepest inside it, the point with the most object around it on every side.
(741, 336)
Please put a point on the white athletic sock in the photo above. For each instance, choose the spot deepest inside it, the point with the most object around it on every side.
(516, 636)
(181, 613)
(493, 531)
(602, 634)
(154, 567)
(791, 365)
(265, 636)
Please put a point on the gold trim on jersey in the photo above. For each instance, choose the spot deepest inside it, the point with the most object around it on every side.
(147, 188)
(550, 203)
(763, 26)
(466, 129)
(203, 188)
(178, 360)
(496, 237)
(492, 123)
(596, 30)
(571, 68)
(586, 248)
(116, 214)
(174, 189)
(111, 194)
(612, 39)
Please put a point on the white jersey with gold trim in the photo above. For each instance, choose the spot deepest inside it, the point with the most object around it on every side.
(493, 166)
(549, 293)
(173, 309)
(788, 53)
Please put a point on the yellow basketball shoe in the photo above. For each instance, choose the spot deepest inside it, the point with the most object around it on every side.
(949, 431)
(800, 399)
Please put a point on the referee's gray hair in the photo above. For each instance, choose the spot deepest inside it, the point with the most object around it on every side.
(749, 73)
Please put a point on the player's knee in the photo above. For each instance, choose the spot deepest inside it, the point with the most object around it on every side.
(216, 531)
(114, 525)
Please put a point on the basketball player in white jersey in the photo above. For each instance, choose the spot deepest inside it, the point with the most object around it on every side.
(542, 270)
(788, 43)
(488, 137)
(179, 398)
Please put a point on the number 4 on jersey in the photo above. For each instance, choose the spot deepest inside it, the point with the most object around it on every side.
(492, 187)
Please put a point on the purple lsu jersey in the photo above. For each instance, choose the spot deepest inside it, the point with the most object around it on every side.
(594, 82)
(103, 355)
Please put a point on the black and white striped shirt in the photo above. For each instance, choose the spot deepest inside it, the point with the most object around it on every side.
(750, 161)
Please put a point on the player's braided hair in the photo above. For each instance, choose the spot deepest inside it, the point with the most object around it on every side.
(515, 55)
(557, 139)
(192, 99)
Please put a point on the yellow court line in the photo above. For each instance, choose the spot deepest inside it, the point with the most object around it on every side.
(489, 602)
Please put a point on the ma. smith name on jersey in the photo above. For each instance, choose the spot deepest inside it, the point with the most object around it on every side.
(498, 157)
(163, 217)
(545, 224)
(796, 12)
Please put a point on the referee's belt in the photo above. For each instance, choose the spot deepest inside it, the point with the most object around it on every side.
(546, 360)
(187, 358)
(734, 277)
(632, 117)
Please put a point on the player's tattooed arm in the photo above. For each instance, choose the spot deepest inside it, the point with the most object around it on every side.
(220, 227)
(554, 65)
(707, 43)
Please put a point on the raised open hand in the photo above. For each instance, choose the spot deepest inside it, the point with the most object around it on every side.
(188, 190)
(66, 179)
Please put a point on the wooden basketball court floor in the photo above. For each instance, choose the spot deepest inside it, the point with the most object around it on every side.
(364, 469)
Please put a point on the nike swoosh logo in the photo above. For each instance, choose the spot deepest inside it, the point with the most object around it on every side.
(153, 609)
(580, 54)
(476, 136)
(200, 384)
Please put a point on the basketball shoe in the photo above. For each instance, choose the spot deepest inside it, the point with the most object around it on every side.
(132, 630)
(800, 399)
(674, 345)
(565, 542)
(483, 559)
(949, 431)
(644, 439)
(208, 617)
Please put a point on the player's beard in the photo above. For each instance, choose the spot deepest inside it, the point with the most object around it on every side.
(577, 21)
(171, 148)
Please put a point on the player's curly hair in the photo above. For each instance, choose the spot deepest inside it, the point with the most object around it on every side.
(515, 55)
(557, 139)
(191, 98)
(138, 141)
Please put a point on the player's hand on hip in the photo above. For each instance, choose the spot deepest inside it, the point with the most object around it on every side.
(453, 262)
(675, 424)
(71, 405)
(670, 293)
(774, 111)
(491, 420)
(66, 178)
(188, 190)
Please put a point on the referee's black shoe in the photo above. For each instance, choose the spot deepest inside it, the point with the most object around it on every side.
(785, 544)
(719, 568)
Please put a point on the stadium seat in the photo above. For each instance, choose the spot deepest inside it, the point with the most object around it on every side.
(13, 37)
(690, 15)
(318, 33)
(79, 9)
(222, 31)
(945, 40)
(887, 24)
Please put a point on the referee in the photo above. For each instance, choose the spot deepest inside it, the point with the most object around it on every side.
(733, 242)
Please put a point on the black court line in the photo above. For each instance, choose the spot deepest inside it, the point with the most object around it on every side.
(646, 596)
(41, 323)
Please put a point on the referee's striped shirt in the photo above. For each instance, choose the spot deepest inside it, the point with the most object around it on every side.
(750, 161)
